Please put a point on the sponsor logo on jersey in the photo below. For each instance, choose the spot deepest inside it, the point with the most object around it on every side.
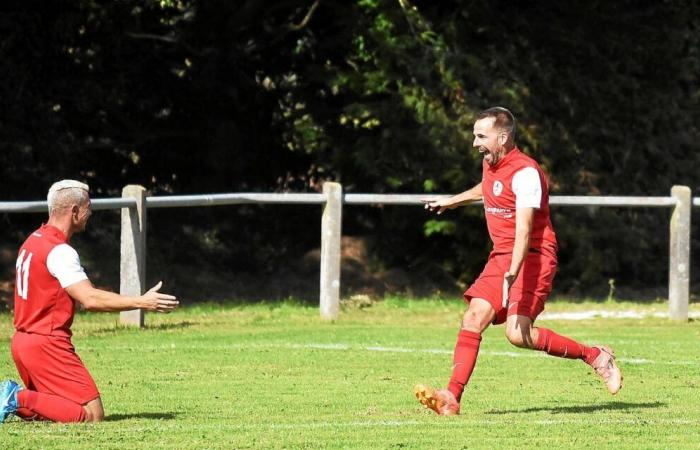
(504, 213)
(497, 188)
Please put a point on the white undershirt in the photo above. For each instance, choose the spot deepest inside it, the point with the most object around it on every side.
(63, 263)
(527, 188)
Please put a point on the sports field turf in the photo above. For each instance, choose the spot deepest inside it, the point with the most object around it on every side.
(276, 376)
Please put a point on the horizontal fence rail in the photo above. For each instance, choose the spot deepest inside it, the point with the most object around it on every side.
(42, 206)
(134, 205)
(184, 201)
(562, 200)
(233, 199)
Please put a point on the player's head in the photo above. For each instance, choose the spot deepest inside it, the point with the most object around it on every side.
(494, 133)
(70, 198)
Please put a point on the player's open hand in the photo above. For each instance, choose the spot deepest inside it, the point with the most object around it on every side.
(157, 301)
(438, 204)
(508, 280)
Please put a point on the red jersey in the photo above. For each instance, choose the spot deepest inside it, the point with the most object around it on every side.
(499, 204)
(42, 305)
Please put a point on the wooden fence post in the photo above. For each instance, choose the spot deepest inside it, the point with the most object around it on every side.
(679, 261)
(330, 251)
(132, 267)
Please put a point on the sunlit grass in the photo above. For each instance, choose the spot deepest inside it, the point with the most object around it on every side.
(276, 376)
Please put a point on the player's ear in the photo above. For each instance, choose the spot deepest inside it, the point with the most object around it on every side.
(502, 137)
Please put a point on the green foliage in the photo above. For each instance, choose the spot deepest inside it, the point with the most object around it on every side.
(446, 227)
(187, 96)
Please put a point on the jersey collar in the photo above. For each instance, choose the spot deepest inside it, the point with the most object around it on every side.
(510, 155)
(50, 229)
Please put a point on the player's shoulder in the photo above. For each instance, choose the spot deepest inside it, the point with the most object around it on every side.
(525, 160)
(43, 239)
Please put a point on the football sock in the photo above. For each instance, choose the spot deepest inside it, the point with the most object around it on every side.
(27, 414)
(52, 407)
(563, 347)
(466, 351)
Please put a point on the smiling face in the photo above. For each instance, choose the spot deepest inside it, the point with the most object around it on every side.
(490, 140)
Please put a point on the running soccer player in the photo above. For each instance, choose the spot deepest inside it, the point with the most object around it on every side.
(58, 387)
(518, 275)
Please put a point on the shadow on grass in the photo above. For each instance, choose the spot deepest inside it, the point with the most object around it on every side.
(117, 328)
(171, 326)
(617, 406)
(143, 415)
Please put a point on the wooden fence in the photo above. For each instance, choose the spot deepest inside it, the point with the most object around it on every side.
(134, 204)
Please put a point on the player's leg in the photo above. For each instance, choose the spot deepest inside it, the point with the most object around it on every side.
(58, 384)
(51, 407)
(477, 318)
(446, 401)
(521, 333)
(29, 405)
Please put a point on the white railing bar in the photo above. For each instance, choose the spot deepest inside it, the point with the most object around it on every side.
(41, 206)
(388, 199)
(565, 200)
(310, 198)
(232, 199)
(597, 200)
(696, 201)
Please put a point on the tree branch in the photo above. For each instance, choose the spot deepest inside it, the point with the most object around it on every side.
(307, 18)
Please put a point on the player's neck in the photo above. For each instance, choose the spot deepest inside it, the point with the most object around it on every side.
(63, 223)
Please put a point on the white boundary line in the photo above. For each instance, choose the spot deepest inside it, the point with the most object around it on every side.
(374, 348)
(522, 354)
(602, 314)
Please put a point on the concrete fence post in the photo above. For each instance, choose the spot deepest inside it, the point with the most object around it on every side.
(679, 261)
(330, 251)
(132, 267)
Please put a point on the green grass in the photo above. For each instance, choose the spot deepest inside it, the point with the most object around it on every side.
(275, 376)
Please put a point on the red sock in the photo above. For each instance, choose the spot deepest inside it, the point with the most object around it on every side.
(52, 407)
(27, 414)
(563, 347)
(466, 351)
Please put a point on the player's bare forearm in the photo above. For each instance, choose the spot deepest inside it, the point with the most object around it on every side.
(94, 299)
(523, 229)
(441, 204)
(470, 196)
(99, 300)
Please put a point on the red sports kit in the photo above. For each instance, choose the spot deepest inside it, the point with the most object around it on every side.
(534, 282)
(41, 347)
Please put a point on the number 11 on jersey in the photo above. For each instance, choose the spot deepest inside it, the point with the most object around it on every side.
(22, 267)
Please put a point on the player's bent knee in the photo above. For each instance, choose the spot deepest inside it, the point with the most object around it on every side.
(516, 339)
(478, 316)
(94, 412)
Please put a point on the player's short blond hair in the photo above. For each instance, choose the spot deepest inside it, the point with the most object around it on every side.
(65, 193)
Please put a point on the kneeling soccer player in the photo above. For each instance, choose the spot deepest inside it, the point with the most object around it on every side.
(59, 387)
(519, 272)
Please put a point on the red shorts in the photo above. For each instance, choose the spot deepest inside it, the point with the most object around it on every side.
(528, 293)
(49, 364)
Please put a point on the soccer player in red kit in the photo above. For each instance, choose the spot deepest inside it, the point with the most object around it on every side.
(518, 275)
(50, 279)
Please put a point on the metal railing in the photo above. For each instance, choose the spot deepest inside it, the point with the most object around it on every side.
(134, 205)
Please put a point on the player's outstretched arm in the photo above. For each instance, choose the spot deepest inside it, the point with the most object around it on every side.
(442, 203)
(93, 299)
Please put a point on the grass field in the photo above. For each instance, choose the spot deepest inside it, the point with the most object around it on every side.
(276, 376)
